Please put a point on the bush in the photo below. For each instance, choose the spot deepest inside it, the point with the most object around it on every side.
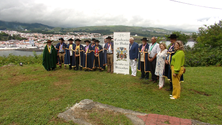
(203, 57)
(35, 59)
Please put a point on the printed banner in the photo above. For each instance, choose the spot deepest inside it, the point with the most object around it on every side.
(121, 52)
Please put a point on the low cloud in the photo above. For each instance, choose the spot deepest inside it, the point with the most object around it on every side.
(29, 12)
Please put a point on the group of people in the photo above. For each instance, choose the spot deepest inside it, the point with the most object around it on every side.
(153, 58)
(156, 60)
(90, 57)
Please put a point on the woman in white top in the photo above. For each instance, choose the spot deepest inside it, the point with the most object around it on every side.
(160, 64)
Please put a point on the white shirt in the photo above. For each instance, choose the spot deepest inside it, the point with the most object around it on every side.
(70, 50)
(109, 49)
(153, 50)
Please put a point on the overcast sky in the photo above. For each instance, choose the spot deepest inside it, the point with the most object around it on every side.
(147, 13)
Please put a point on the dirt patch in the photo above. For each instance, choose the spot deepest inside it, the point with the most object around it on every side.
(199, 92)
(219, 107)
(200, 105)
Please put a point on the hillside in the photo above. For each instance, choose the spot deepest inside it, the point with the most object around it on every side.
(22, 26)
(105, 30)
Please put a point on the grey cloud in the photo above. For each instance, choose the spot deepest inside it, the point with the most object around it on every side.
(28, 12)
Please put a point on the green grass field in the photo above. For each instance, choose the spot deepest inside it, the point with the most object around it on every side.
(31, 95)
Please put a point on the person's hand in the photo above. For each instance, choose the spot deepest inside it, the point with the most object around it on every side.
(150, 59)
(166, 61)
(174, 75)
(135, 59)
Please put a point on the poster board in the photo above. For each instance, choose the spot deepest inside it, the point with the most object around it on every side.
(121, 52)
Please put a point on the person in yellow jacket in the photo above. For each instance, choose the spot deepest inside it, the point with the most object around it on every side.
(177, 68)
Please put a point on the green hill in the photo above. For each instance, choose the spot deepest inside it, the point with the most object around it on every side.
(105, 30)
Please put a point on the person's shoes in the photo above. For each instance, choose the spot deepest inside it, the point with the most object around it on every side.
(146, 78)
(141, 78)
(154, 81)
(160, 87)
(172, 97)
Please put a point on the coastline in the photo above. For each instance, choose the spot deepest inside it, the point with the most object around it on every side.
(22, 49)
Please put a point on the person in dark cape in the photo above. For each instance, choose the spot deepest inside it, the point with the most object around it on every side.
(79, 55)
(86, 56)
(104, 55)
(70, 54)
(91, 48)
(170, 53)
(98, 56)
(61, 50)
(49, 56)
(143, 64)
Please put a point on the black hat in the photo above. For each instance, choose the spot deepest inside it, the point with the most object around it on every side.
(173, 36)
(93, 39)
(77, 39)
(97, 41)
(61, 39)
(70, 39)
(109, 37)
(49, 41)
(87, 41)
(144, 39)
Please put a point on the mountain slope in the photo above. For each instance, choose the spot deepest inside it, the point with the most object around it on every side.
(105, 30)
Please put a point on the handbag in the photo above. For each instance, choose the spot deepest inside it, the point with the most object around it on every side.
(184, 70)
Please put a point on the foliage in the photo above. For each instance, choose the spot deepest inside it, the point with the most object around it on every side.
(31, 95)
(210, 36)
(35, 59)
(204, 57)
(207, 50)
(181, 36)
(5, 37)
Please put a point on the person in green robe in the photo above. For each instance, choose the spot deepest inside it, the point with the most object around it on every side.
(49, 56)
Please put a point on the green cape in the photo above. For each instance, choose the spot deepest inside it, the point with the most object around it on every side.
(49, 60)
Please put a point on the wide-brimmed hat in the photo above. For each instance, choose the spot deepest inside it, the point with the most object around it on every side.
(93, 39)
(144, 39)
(49, 41)
(61, 39)
(173, 36)
(77, 39)
(87, 41)
(70, 39)
(97, 41)
(109, 37)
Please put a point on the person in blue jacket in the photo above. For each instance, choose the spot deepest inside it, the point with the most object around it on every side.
(133, 54)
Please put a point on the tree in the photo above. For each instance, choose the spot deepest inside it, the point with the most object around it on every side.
(210, 36)
(181, 36)
(194, 36)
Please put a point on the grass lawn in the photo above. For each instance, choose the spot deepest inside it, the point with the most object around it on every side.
(31, 95)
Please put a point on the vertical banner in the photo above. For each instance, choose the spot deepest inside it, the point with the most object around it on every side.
(121, 52)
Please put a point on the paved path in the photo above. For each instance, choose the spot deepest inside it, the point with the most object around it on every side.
(155, 119)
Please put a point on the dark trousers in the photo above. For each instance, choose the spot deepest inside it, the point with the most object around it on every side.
(70, 65)
(152, 69)
(77, 64)
(96, 63)
(143, 74)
